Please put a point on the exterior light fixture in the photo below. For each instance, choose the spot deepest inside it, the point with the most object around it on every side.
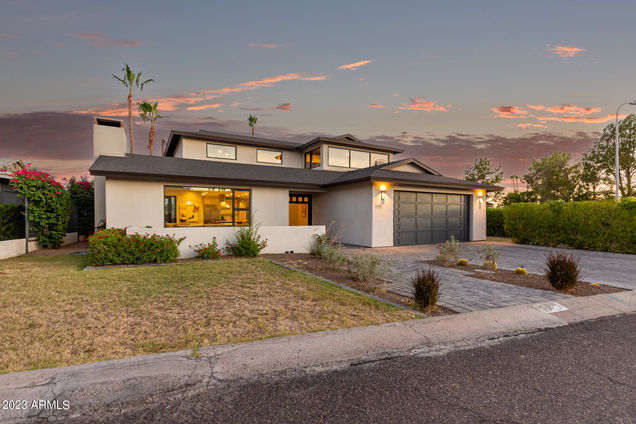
(480, 195)
(382, 191)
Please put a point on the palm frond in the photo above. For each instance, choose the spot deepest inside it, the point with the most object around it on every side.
(148, 81)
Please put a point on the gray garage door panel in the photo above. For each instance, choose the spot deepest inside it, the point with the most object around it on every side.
(424, 218)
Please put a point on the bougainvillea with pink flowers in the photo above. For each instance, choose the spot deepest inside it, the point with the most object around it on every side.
(49, 204)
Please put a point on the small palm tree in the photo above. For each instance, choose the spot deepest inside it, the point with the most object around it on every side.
(130, 79)
(149, 112)
(252, 122)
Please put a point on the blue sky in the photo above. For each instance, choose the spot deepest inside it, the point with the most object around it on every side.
(449, 81)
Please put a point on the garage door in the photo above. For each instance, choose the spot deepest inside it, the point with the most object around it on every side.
(423, 218)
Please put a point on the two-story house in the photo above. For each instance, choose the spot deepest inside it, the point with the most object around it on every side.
(206, 183)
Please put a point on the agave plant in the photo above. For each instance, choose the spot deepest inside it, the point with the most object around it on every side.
(130, 79)
(149, 112)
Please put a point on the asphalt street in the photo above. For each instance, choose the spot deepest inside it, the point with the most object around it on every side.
(582, 373)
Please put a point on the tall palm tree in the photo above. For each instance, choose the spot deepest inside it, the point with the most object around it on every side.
(252, 122)
(130, 79)
(149, 112)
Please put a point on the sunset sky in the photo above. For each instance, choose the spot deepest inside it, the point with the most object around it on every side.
(447, 81)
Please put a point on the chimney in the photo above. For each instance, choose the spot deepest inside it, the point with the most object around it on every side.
(109, 137)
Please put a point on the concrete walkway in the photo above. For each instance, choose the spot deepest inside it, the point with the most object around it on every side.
(109, 386)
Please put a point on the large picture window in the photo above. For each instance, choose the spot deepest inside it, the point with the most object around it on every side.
(379, 158)
(220, 151)
(339, 157)
(348, 158)
(206, 206)
(269, 156)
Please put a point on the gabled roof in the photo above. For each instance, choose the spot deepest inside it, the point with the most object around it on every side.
(161, 168)
(349, 141)
(410, 161)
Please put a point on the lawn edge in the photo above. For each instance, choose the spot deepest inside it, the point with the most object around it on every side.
(350, 289)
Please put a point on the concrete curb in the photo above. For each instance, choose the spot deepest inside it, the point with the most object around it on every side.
(114, 385)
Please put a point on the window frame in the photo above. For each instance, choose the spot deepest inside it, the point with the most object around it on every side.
(338, 148)
(234, 209)
(258, 149)
(359, 151)
(311, 154)
(207, 155)
(352, 150)
(388, 158)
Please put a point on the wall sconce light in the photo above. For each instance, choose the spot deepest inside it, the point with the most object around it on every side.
(382, 191)
(480, 194)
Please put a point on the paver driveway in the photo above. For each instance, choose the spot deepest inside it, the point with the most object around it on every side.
(462, 293)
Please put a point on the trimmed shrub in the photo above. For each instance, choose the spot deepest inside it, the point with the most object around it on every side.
(495, 223)
(604, 225)
(366, 267)
(207, 250)
(521, 271)
(562, 270)
(463, 262)
(426, 288)
(113, 246)
(11, 222)
(247, 242)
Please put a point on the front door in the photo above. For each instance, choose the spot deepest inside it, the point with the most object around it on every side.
(300, 209)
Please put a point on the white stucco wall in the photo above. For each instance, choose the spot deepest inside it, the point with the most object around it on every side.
(350, 209)
(382, 233)
(196, 149)
(17, 247)
(109, 141)
(280, 239)
(140, 203)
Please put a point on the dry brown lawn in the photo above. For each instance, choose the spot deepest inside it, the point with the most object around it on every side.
(53, 313)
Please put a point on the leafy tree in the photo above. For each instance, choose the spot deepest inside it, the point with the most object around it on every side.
(553, 177)
(251, 121)
(149, 112)
(603, 155)
(130, 79)
(528, 196)
(83, 196)
(483, 171)
(593, 183)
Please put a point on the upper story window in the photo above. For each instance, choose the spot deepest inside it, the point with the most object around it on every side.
(347, 158)
(221, 151)
(312, 158)
(269, 156)
(379, 158)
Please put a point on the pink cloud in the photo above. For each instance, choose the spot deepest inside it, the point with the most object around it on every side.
(10, 36)
(513, 112)
(281, 106)
(375, 105)
(265, 45)
(103, 41)
(586, 120)
(423, 105)
(203, 107)
(265, 82)
(355, 65)
(565, 51)
(529, 125)
(567, 109)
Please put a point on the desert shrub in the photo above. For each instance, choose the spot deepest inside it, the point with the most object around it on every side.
(366, 267)
(521, 271)
(489, 253)
(604, 225)
(426, 285)
(450, 249)
(113, 246)
(463, 262)
(49, 204)
(441, 258)
(11, 222)
(83, 196)
(495, 223)
(320, 241)
(207, 250)
(333, 255)
(562, 270)
(247, 242)
(490, 265)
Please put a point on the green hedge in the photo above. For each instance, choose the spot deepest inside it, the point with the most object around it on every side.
(606, 225)
(495, 223)
(114, 247)
(11, 222)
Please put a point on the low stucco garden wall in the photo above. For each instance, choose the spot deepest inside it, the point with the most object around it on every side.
(280, 239)
(17, 247)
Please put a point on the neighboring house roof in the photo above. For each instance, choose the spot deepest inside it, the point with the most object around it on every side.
(161, 168)
(342, 140)
(10, 164)
(411, 161)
